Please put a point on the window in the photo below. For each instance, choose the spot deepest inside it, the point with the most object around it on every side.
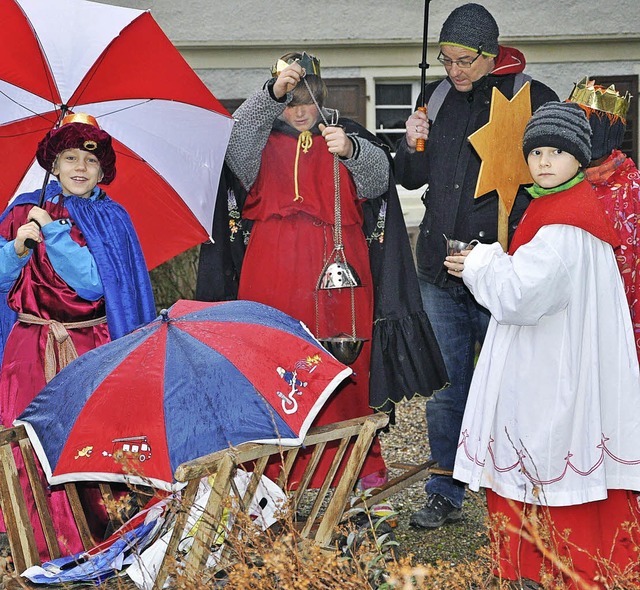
(394, 104)
(347, 95)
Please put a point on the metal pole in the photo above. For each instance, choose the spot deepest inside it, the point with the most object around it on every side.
(424, 66)
(29, 243)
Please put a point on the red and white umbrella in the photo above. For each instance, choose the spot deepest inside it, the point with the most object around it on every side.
(170, 132)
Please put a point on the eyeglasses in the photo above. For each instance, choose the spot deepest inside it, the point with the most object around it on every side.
(461, 63)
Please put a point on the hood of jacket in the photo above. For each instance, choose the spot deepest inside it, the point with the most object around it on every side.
(508, 61)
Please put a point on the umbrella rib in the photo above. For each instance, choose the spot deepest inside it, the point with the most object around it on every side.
(85, 82)
(34, 113)
(126, 108)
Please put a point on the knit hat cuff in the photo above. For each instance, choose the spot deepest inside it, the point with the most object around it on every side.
(552, 139)
(474, 49)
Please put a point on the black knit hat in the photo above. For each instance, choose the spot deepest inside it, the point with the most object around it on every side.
(561, 125)
(471, 26)
(607, 134)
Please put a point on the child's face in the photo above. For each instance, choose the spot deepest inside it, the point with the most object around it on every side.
(78, 172)
(301, 117)
(551, 167)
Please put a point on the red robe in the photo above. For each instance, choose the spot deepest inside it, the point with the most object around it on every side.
(40, 291)
(290, 242)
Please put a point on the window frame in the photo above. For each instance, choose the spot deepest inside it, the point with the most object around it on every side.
(415, 92)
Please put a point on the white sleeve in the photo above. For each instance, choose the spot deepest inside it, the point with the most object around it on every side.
(532, 283)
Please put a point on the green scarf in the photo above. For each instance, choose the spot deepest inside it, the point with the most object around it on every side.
(536, 190)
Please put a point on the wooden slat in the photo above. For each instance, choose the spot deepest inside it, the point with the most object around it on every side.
(256, 475)
(289, 460)
(207, 465)
(342, 429)
(411, 475)
(39, 498)
(79, 516)
(324, 488)
(188, 497)
(312, 465)
(110, 505)
(16, 516)
(343, 490)
(11, 435)
(208, 527)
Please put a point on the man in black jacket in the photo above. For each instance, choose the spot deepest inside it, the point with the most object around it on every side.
(456, 107)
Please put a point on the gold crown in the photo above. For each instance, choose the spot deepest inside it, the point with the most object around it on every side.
(80, 118)
(587, 93)
(309, 63)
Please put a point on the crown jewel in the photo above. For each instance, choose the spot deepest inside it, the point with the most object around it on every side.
(587, 93)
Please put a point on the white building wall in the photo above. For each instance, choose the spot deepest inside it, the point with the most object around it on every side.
(232, 43)
(271, 20)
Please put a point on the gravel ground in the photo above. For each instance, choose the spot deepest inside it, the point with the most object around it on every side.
(406, 443)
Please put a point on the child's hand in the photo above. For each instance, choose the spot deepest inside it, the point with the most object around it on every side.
(40, 216)
(28, 231)
(337, 140)
(455, 264)
(288, 79)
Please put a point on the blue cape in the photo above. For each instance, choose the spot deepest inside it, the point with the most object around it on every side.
(114, 244)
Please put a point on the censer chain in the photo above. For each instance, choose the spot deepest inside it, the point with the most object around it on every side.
(337, 225)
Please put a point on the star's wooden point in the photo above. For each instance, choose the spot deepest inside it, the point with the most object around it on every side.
(499, 145)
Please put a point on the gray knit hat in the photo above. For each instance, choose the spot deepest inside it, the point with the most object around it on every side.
(561, 125)
(471, 26)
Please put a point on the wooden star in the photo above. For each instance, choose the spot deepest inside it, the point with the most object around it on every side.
(499, 145)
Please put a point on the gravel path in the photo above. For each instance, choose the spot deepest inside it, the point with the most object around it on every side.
(406, 443)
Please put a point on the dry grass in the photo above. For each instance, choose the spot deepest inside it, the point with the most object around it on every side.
(364, 556)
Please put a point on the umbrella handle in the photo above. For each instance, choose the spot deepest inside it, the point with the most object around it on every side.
(29, 243)
(424, 66)
(420, 142)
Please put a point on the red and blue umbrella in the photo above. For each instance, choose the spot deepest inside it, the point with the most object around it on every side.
(198, 379)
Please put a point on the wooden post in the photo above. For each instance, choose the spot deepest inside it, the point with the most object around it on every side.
(503, 225)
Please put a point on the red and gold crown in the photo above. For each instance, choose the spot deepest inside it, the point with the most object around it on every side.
(600, 98)
(79, 131)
